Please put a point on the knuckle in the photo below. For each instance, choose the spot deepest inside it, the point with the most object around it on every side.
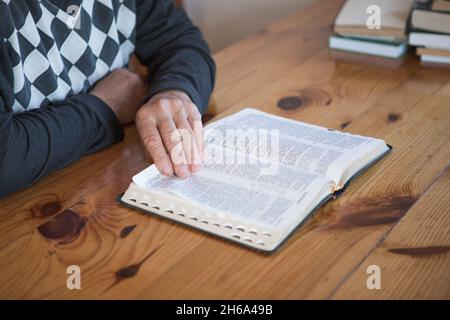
(120, 71)
(171, 137)
(151, 140)
(180, 114)
(159, 156)
(193, 110)
(143, 115)
(196, 114)
(161, 105)
(178, 103)
(185, 133)
(166, 132)
(134, 76)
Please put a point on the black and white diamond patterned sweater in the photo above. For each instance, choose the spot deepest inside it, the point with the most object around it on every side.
(54, 51)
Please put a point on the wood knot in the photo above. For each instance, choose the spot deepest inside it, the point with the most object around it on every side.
(420, 251)
(393, 117)
(127, 272)
(126, 231)
(345, 124)
(132, 270)
(50, 208)
(290, 103)
(307, 97)
(46, 207)
(368, 212)
(64, 227)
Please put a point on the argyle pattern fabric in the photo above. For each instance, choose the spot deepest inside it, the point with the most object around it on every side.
(57, 52)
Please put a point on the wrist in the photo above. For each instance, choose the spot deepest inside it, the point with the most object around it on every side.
(171, 94)
(113, 107)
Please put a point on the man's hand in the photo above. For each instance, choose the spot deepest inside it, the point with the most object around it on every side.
(123, 91)
(170, 129)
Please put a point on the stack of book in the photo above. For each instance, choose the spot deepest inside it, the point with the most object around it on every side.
(372, 31)
(430, 32)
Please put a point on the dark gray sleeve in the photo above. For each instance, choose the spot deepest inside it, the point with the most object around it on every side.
(35, 143)
(174, 50)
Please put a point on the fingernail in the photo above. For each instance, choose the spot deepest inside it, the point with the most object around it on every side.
(195, 167)
(167, 171)
(183, 172)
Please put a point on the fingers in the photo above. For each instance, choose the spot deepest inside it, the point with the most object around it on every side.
(154, 146)
(195, 121)
(172, 134)
(191, 151)
(173, 143)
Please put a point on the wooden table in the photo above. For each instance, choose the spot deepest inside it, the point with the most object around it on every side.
(395, 216)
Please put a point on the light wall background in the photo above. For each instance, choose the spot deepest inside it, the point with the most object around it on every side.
(224, 22)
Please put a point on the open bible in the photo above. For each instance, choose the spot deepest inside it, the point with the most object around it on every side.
(262, 177)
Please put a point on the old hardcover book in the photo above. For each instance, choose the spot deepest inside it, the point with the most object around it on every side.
(365, 59)
(431, 21)
(263, 176)
(374, 48)
(432, 52)
(441, 5)
(354, 15)
(430, 40)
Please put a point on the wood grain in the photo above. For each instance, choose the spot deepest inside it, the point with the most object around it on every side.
(260, 59)
(414, 259)
(72, 217)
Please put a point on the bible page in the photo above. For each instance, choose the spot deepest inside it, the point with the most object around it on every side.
(243, 192)
(294, 144)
